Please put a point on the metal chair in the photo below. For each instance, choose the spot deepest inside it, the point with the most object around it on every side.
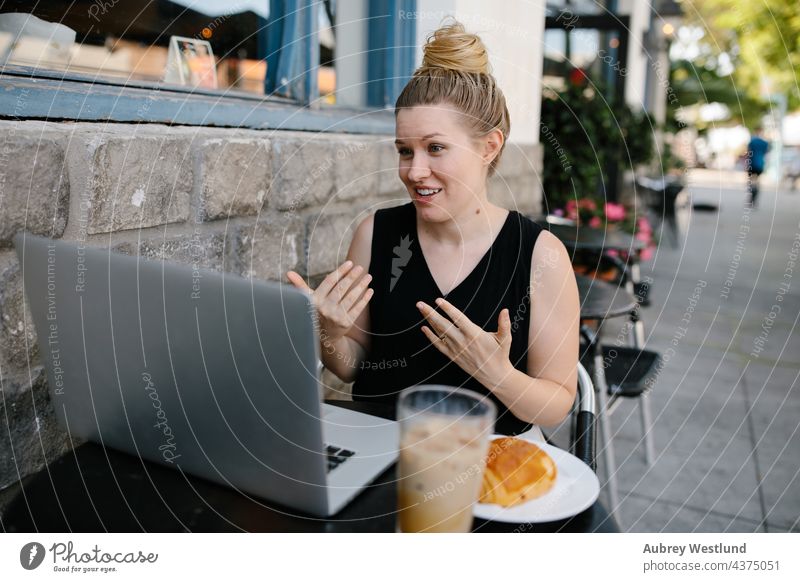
(627, 372)
(667, 202)
(584, 421)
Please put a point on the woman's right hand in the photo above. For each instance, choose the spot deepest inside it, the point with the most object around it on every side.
(339, 299)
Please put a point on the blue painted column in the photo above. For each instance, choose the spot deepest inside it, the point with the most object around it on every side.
(292, 47)
(392, 44)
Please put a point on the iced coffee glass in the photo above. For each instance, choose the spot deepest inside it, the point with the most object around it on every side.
(444, 439)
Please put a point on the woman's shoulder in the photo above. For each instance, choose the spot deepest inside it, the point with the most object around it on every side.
(528, 229)
(550, 252)
(541, 244)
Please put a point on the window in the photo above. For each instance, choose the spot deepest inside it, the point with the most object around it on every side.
(220, 57)
(578, 7)
(595, 52)
(587, 35)
(129, 40)
(327, 51)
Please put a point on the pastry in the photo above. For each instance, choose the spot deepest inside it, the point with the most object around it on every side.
(516, 471)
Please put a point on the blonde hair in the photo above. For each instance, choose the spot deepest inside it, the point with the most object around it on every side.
(455, 70)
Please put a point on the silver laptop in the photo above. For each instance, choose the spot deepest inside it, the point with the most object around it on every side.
(211, 374)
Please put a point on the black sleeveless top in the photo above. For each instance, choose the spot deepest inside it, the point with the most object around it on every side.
(400, 355)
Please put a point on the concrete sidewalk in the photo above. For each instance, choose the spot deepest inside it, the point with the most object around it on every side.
(726, 405)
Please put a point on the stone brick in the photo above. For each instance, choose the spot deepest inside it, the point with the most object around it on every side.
(328, 237)
(30, 436)
(518, 160)
(512, 163)
(203, 250)
(388, 180)
(34, 189)
(18, 347)
(500, 192)
(236, 176)
(303, 172)
(356, 169)
(516, 184)
(269, 248)
(527, 197)
(139, 183)
(516, 194)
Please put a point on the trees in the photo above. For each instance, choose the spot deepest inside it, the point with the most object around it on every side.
(696, 83)
(761, 39)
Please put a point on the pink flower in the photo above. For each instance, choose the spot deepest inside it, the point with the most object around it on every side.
(572, 213)
(595, 222)
(643, 225)
(643, 236)
(615, 212)
(646, 254)
(587, 204)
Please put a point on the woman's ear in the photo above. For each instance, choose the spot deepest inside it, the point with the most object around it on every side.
(492, 144)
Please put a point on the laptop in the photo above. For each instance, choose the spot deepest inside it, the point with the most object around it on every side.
(212, 374)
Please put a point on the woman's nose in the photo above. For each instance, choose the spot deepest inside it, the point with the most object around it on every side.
(418, 171)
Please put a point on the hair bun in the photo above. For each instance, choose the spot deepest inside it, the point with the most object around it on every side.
(452, 47)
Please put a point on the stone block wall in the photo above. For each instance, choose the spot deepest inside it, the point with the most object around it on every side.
(253, 203)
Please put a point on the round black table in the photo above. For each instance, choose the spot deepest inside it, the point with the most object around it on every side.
(94, 489)
(601, 300)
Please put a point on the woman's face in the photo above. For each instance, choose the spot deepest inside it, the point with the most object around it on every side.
(441, 164)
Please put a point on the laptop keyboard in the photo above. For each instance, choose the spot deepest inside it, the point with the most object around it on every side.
(336, 456)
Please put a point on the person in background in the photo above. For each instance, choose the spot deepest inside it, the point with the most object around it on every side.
(461, 291)
(754, 164)
(792, 167)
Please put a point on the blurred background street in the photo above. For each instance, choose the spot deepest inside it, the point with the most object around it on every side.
(725, 414)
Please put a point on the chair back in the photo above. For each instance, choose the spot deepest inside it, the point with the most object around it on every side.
(585, 425)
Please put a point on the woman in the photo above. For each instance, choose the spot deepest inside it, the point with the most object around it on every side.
(463, 292)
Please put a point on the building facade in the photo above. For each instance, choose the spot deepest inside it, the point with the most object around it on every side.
(116, 131)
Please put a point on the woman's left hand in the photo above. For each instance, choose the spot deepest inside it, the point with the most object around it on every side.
(481, 354)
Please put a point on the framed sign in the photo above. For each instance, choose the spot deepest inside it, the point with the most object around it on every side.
(191, 62)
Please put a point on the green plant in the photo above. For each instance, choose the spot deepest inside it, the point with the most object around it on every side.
(569, 128)
(585, 139)
(669, 161)
(632, 143)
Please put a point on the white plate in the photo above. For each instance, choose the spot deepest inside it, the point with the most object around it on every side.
(575, 489)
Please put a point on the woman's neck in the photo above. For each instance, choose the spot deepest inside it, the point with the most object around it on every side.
(478, 221)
